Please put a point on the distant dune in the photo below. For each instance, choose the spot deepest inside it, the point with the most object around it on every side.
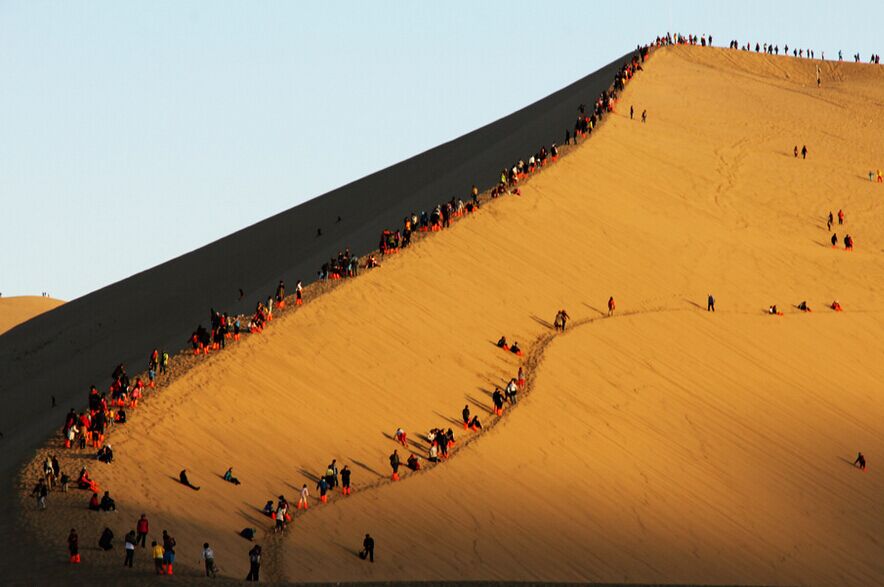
(665, 444)
(18, 309)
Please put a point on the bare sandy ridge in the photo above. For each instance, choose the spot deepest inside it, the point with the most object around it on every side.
(666, 446)
(18, 309)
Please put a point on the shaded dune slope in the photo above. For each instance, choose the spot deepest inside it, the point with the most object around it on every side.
(666, 445)
(156, 308)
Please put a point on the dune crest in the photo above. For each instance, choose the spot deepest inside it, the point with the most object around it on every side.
(17, 309)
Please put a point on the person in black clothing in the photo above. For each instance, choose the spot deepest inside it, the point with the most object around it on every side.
(107, 503)
(710, 303)
(466, 416)
(182, 476)
(367, 548)
(394, 464)
(834, 239)
(106, 540)
(860, 461)
(254, 563)
(804, 151)
(345, 480)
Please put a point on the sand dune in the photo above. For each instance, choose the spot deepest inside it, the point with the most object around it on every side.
(665, 444)
(18, 309)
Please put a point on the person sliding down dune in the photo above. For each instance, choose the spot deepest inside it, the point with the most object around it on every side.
(182, 476)
(228, 476)
(804, 307)
(836, 306)
(501, 344)
(515, 349)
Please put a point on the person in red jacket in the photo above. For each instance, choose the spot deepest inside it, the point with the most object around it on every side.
(142, 528)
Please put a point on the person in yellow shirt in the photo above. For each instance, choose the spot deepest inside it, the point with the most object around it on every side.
(158, 552)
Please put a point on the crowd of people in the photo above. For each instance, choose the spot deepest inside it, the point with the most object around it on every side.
(90, 427)
(774, 49)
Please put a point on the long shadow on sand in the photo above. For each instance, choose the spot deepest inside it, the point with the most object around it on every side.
(367, 468)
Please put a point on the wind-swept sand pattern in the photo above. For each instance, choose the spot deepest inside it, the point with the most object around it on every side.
(666, 445)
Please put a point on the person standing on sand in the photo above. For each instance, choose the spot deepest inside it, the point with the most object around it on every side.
(302, 501)
(465, 413)
(795, 151)
(40, 492)
(168, 553)
(142, 527)
(208, 556)
(367, 548)
(611, 306)
(565, 318)
(254, 564)
(74, 546)
(299, 293)
(394, 464)
(804, 151)
(710, 303)
(840, 217)
(129, 546)
(644, 115)
(631, 112)
(345, 480)
(860, 461)
(829, 221)
(834, 239)
(157, 553)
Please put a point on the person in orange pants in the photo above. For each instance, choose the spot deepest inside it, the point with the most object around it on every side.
(74, 546)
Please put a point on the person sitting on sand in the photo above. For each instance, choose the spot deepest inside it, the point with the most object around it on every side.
(501, 344)
(803, 307)
(413, 463)
(94, 503)
(106, 542)
(268, 507)
(228, 476)
(475, 424)
(107, 503)
(182, 476)
(84, 482)
(106, 454)
(516, 350)
(772, 310)
(836, 306)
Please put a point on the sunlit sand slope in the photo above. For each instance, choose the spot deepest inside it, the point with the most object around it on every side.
(669, 445)
(18, 309)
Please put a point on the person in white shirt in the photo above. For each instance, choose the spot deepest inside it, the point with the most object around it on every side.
(208, 557)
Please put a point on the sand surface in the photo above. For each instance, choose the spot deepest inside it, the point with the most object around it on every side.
(18, 309)
(664, 444)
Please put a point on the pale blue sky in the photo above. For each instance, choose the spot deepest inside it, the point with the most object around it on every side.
(133, 132)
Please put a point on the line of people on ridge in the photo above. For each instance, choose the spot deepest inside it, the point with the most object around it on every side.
(92, 425)
(774, 49)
